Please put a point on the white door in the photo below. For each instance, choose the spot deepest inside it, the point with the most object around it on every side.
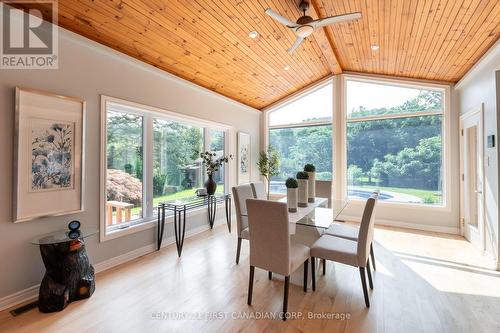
(472, 185)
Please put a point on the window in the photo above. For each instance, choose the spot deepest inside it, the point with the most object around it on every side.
(177, 168)
(395, 142)
(124, 190)
(152, 156)
(301, 131)
(217, 146)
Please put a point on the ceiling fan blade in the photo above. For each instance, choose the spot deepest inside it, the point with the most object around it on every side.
(280, 18)
(335, 19)
(295, 45)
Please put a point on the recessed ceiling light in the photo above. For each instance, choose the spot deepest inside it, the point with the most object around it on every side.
(286, 67)
(253, 34)
(375, 47)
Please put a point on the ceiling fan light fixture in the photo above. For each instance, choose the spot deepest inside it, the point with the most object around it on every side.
(304, 31)
(375, 47)
(286, 67)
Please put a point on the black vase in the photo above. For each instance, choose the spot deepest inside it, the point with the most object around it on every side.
(210, 185)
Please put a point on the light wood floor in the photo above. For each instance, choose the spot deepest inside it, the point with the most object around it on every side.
(425, 282)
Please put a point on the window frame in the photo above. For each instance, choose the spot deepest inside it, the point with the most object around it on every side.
(446, 136)
(149, 113)
(268, 111)
(339, 137)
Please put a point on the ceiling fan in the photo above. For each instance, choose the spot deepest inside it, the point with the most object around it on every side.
(305, 25)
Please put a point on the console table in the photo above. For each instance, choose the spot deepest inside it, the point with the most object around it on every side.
(179, 209)
(69, 275)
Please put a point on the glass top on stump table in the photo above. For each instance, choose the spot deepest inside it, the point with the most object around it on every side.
(63, 236)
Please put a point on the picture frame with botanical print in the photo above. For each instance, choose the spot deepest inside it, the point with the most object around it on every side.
(244, 158)
(48, 155)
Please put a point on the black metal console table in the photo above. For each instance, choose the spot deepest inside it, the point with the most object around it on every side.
(180, 207)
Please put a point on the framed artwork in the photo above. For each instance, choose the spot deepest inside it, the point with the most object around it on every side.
(244, 158)
(48, 155)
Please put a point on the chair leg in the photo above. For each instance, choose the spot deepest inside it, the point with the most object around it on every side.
(373, 257)
(313, 273)
(324, 266)
(250, 285)
(285, 297)
(368, 270)
(270, 275)
(363, 282)
(238, 249)
(306, 266)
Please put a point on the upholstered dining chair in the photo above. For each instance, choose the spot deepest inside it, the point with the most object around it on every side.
(353, 253)
(240, 194)
(324, 190)
(259, 190)
(270, 245)
(351, 233)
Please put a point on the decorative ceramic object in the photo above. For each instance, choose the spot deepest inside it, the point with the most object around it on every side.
(311, 172)
(302, 179)
(210, 185)
(291, 194)
(213, 166)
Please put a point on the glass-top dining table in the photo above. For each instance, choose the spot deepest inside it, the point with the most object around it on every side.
(317, 214)
(309, 223)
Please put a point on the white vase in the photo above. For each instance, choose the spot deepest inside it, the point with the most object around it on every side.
(311, 186)
(291, 199)
(303, 192)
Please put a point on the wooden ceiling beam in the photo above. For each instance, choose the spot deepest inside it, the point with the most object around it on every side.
(324, 40)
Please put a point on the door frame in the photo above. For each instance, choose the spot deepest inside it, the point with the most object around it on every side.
(477, 111)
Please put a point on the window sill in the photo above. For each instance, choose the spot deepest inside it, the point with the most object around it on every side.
(147, 223)
(405, 205)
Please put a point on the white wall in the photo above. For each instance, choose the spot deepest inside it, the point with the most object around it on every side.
(481, 85)
(86, 70)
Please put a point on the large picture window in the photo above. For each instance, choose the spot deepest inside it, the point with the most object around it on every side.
(124, 190)
(301, 132)
(151, 158)
(177, 168)
(395, 142)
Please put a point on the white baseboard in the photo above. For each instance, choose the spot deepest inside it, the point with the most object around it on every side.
(31, 293)
(22, 296)
(425, 227)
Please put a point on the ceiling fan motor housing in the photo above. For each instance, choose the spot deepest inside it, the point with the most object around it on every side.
(304, 20)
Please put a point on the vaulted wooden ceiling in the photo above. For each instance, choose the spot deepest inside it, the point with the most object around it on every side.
(207, 42)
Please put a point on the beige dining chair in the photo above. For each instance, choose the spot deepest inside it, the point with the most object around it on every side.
(324, 190)
(259, 190)
(270, 245)
(353, 253)
(240, 194)
(351, 233)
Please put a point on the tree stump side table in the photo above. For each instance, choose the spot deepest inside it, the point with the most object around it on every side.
(69, 275)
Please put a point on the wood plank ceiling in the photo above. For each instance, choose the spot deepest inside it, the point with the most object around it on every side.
(207, 42)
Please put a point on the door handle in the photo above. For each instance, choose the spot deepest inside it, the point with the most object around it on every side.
(478, 191)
